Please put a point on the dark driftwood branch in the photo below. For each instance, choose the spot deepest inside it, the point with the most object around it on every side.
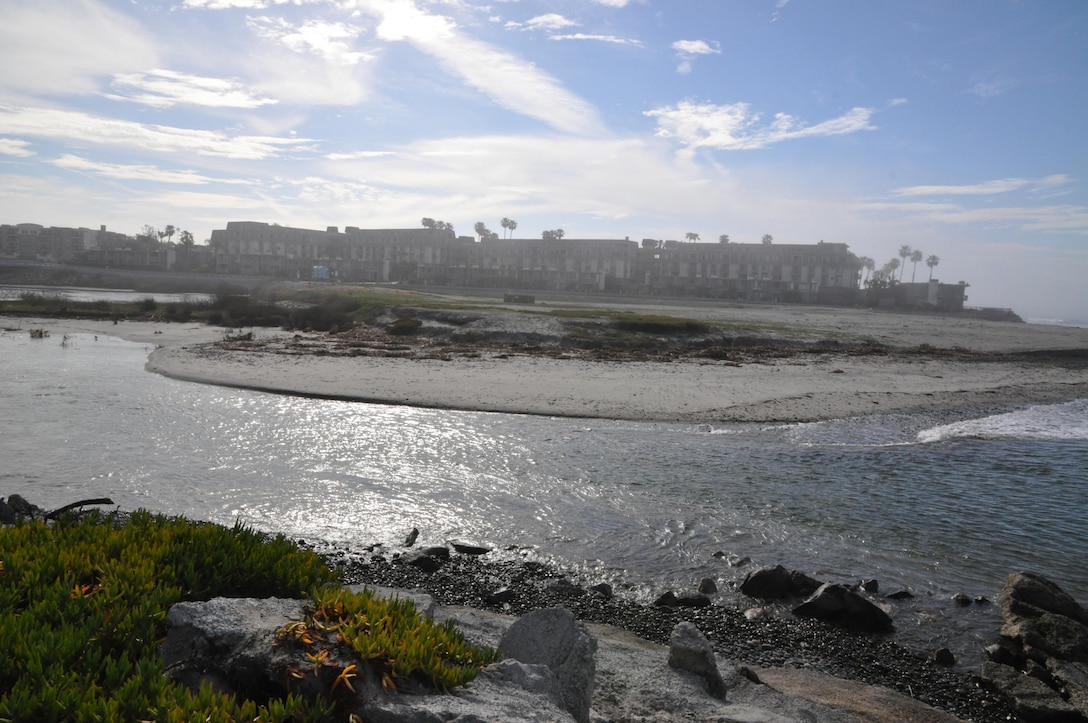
(60, 511)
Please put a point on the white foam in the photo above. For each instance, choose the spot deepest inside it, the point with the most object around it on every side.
(1068, 421)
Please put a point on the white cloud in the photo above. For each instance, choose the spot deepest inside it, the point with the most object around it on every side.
(66, 47)
(697, 47)
(613, 3)
(137, 172)
(15, 147)
(506, 79)
(329, 41)
(165, 88)
(993, 87)
(734, 127)
(688, 50)
(86, 128)
(551, 21)
(598, 38)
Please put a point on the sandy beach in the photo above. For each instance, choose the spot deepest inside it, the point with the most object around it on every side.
(963, 364)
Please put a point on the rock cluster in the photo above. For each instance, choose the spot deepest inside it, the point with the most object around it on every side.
(1042, 659)
(830, 602)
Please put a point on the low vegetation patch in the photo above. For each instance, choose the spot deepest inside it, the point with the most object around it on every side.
(83, 604)
(658, 324)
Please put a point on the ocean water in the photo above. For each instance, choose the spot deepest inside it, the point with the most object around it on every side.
(915, 502)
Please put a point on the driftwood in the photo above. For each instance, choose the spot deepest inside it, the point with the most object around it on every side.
(61, 510)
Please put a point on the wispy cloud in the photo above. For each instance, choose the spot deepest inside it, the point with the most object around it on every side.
(688, 50)
(598, 38)
(987, 188)
(66, 49)
(993, 87)
(165, 88)
(15, 147)
(551, 21)
(735, 128)
(137, 172)
(91, 129)
(1054, 218)
(509, 81)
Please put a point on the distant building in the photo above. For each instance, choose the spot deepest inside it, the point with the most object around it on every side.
(822, 272)
(931, 294)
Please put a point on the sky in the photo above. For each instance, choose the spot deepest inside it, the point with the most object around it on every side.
(957, 127)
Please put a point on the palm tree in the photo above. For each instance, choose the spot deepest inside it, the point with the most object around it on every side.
(915, 257)
(904, 252)
(481, 230)
(767, 238)
(868, 264)
(724, 238)
(508, 225)
(691, 236)
(170, 231)
(932, 262)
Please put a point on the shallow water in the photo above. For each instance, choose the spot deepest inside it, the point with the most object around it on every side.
(932, 507)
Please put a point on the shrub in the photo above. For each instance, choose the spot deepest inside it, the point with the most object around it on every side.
(405, 326)
(658, 324)
(82, 605)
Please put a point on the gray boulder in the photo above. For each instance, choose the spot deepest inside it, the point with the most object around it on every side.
(841, 606)
(1032, 699)
(553, 637)
(1045, 636)
(690, 650)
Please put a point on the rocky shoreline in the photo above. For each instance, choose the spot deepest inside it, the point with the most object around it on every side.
(749, 642)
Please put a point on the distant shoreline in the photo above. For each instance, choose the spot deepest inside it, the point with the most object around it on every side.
(1039, 364)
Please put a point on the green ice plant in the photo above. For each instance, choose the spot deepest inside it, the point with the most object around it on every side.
(83, 604)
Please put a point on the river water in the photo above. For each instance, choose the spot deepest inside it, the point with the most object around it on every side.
(934, 508)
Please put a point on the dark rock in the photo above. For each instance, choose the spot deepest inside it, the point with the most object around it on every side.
(693, 600)
(1006, 653)
(411, 538)
(422, 560)
(23, 508)
(901, 595)
(465, 548)
(500, 596)
(841, 606)
(1032, 700)
(1027, 594)
(961, 599)
(603, 589)
(7, 514)
(690, 650)
(944, 656)
(667, 599)
(565, 588)
(776, 583)
(981, 600)
(707, 586)
(437, 552)
(1073, 678)
(869, 585)
(553, 637)
(1050, 635)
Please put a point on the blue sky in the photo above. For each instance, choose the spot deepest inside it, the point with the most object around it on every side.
(955, 127)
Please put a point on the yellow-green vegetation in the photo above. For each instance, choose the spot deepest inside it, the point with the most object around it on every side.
(389, 634)
(83, 604)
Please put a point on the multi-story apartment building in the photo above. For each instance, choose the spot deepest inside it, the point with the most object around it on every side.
(33, 242)
(750, 272)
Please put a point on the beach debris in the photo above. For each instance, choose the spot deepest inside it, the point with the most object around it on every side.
(690, 650)
(38, 333)
(466, 548)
